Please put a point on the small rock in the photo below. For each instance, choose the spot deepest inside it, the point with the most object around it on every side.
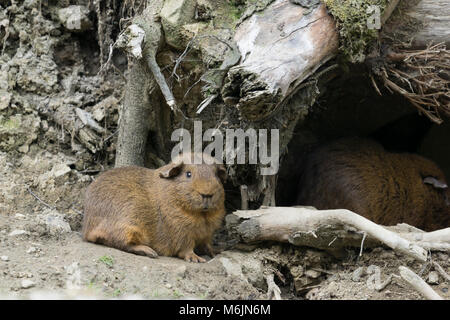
(5, 99)
(17, 232)
(24, 148)
(174, 14)
(297, 271)
(31, 250)
(313, 274)
(433, 278)
(168, 286)
(20, 216)
(54, 223)
(356, 275)
(4, 258)
(232, 268)
(60, 170)
(75, 18)
(181, 271)
(333, 277)
(26, 284)
(99, 110)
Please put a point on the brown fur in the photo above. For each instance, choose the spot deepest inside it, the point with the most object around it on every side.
(156, 212)
(387, 188)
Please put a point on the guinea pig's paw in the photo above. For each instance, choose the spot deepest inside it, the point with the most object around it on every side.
(192, 257)
(143, 251)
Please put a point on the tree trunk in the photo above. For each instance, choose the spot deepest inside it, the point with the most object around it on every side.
(135, 116)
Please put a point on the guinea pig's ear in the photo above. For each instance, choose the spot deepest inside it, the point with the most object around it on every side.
(438, 184)
(222, 173)
(171, 170)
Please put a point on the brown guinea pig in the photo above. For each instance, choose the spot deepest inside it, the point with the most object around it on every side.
(388, 188)
(168, 211)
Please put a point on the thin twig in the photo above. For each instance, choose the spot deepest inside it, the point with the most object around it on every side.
(441, 271)
(418, 284)
(37, 198)
(362, 243)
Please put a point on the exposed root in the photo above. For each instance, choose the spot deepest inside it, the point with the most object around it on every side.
(329, 229)
(107, 12)
(418, 284)
(439, 269)
(422, 77)
(273, 291)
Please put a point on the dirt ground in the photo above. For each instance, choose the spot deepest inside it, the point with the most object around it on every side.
(43, 255)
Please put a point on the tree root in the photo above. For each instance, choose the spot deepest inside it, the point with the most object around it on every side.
(418, 284)
(329, 230)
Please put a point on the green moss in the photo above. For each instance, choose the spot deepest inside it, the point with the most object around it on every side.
(10, 124)
(236, 12)
(356, 38)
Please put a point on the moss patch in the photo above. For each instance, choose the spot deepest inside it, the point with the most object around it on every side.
(9, 124)
(352, 16)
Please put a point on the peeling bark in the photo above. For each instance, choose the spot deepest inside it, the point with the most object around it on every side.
(280, 48)
(433, 14)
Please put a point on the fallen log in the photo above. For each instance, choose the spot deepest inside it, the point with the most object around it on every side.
(435, 22)
(280, 48)
(329, 230)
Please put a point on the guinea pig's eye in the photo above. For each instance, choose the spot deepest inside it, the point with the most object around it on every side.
(188, 174)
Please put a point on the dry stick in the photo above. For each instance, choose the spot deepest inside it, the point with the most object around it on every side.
(181, 57)
(88, 120)
(375, 85)
(332, 241)
(244, 197)
(362, 243)
(272, 288)
(206, 102)
(418, 284)
(37, 198)
(441, 271)
(151, 61)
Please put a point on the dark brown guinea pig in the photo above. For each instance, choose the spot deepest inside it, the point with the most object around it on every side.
(168, 211)
(388, 188)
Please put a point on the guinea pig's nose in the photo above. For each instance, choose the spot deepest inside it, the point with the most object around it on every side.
(207, 200)
(206, 196)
